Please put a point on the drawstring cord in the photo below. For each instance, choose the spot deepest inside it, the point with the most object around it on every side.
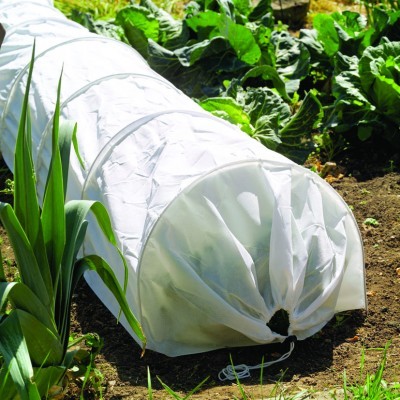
(232, 372)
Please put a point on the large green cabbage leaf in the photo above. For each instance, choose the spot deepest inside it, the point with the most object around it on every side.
(367, 92)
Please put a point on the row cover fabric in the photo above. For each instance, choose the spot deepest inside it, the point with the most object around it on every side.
(218, 231)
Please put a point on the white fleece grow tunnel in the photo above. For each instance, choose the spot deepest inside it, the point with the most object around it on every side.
(219, 232)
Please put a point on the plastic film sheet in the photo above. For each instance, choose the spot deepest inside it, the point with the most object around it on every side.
(219, 232)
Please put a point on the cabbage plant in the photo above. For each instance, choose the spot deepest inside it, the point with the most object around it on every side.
(46, 239)
(367, 92)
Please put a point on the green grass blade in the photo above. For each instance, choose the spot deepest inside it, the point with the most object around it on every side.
(345, 387)
(242, 392)
(169, 390)
(99, 265)
(14, 349)
(195, 389)
(262, 376)
(176, 395)
(86, 377)
(377, 378)
(22, 297)
(24, 254)
(149, 387)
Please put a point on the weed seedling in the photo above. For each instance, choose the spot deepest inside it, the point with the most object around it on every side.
(371, 222)
(371, 386)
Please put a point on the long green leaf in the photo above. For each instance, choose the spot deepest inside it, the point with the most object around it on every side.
(24, 183)
(26, 204)
(53, 220)
(24, 254)
(67, 135)
(75, 216)
(100, 266)
(76, 212)
(43, 345)
(8, 390)
(103, 220)
(76, 148)
(22, 297)
(34, 392)
(47, 377)
(79, 209)
(66, 285)
(2, 273)
(14, 349)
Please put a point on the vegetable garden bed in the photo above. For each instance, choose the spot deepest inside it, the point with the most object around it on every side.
(361, 103)
(316, 363)
(371, 185)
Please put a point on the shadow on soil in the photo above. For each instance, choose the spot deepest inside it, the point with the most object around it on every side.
(185, 372)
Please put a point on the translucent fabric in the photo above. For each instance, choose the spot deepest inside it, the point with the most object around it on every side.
(219, 232)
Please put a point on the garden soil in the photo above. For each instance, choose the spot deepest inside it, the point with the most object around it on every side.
(371, 186)
(317, 363)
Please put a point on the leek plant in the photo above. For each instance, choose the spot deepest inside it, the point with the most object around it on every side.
(46, 239)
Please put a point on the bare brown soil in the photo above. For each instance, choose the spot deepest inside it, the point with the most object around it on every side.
(316, 363)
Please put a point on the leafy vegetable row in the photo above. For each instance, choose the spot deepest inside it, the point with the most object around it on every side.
(341, 77)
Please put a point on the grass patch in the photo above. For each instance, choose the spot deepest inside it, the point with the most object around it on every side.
(372, 385)
(107, 9)
(98, 8)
